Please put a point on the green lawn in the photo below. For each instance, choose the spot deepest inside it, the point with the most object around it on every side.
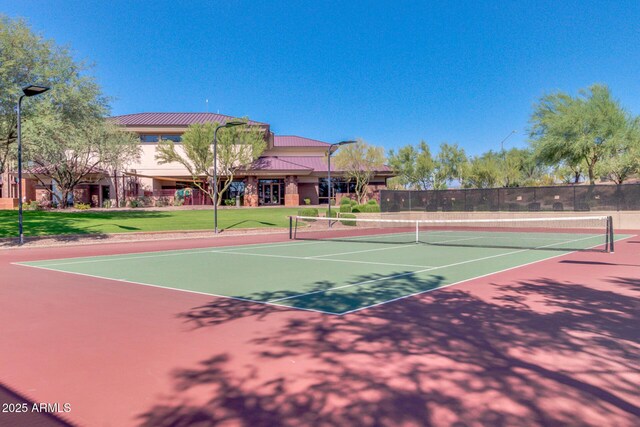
(37, 223)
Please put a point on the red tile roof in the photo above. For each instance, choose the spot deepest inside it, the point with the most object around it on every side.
(289, 163)
(269, 163)
(297, 141)
(173, 119)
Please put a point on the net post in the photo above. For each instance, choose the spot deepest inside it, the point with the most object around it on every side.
(290, 227)
(417, 232)
(610, 232)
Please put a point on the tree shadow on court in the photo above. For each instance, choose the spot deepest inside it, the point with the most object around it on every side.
(534, 352)
(569, 261)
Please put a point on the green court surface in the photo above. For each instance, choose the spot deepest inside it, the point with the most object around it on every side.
(329, 276)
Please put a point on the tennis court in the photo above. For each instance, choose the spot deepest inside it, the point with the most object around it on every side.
(339, 267)
(324, 326)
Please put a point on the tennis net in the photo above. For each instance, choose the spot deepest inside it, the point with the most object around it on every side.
(577, 233)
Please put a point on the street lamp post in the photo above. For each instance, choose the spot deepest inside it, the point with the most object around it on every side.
(336, 144)
(503, 141)
(215, 169)
(28, 91)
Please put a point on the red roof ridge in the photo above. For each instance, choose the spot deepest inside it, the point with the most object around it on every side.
(153, 117)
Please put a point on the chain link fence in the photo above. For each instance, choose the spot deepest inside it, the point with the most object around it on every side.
(581, 198)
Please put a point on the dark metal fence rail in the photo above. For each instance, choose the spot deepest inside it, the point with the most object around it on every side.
(518, 199)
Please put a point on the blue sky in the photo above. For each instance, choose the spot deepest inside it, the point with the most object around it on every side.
(393, 73)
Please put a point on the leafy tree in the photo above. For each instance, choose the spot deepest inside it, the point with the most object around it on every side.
(71, 154)
(359, 162)
(569, 173)
(576, 130)
(484, 171)
(237, 147)
(624, 157)
(395, 183)
(120, 149)
(451, 164)
(415, 167)
(520, 167)
(64, 132)
(27, 58)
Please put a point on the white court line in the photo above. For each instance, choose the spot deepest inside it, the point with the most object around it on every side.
(180, 290)
(320, 259)
(396, 246)
(469, 279)
(424, 270)
(159, 254)
(285, 306)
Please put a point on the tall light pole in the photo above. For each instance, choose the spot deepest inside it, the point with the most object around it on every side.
(503, 141)
(329, 151)
(215, 169)
(31, 90)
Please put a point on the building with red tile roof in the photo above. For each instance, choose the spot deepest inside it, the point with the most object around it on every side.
(291, 169)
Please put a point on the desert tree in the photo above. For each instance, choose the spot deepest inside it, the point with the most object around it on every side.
(578, 130)
(359, 162)
(238, 147)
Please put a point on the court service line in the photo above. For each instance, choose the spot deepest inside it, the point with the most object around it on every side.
(179, 290)
(320, 259)
(396, 246)
(421, 271)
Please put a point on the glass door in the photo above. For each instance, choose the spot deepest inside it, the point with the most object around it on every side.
(270, 192)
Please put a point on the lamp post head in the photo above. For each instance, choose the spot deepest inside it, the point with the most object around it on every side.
(33, 90)
(333, 147)
(232, 123)
(345, 142)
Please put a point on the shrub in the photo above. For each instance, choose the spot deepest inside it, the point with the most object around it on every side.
(82, 206)
(333, 214)
(367, 208)
(140, 202)
(106, 204)
(346, 208)
(34, 206)
(308, 212)
(162, 202)
(177, 201)
(372, 202)
(229, 202)
(349, 223)
(307, 201)
(345, 201)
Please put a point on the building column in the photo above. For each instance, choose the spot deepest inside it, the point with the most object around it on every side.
(291, 196)
(251, 191)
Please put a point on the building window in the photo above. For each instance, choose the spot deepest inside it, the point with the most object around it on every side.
(174, 138)
(236, 189)
(148, 138)
(340, 185)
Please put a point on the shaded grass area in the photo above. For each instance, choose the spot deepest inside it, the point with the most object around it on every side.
(37, 223)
